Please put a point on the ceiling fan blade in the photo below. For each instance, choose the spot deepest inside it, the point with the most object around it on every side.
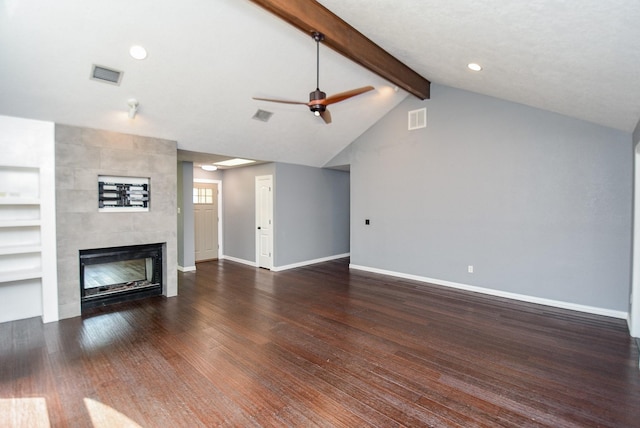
(348, 94)
(326, 116)
(279, 101)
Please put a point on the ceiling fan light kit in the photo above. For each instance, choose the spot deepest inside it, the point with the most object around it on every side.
(318, 100)
(318, 96)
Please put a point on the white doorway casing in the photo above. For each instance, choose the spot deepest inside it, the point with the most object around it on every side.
(264, 221)
(634, 310)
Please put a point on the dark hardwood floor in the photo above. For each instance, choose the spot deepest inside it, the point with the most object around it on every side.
(319, 346)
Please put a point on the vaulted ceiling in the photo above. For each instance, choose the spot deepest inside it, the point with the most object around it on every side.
(208, 58)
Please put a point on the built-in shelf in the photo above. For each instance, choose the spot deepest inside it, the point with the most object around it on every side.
(28, 276)
(20, 234)
(20, 275)
(20, 249)
(19, 223)
(19, 201)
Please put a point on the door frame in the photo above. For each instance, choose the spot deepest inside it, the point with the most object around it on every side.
(257, 223)
(220, 219)
(634, 298)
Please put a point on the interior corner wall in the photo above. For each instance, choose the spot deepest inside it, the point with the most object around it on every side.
(81, 155)
(539, 203)
(186, 231)
(239, 210)
(311, 213)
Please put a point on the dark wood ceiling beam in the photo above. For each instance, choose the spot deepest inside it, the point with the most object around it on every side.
(310, 16)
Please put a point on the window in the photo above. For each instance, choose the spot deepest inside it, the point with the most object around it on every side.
(202, 196)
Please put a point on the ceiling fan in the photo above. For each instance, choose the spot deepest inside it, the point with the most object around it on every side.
(318, 100)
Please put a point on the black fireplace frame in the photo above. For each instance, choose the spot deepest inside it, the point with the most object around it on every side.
(115, 254)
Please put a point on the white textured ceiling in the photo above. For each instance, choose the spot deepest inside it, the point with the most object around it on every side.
(207, 58)
(580, 58)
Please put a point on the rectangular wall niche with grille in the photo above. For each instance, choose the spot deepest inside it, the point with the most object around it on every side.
(118, 194)
(418, 119)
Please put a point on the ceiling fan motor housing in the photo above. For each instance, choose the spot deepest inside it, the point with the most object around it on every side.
(317, 95)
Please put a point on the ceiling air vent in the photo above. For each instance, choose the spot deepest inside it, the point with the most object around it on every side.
(262, 115)
(107, 75)
(418, 119)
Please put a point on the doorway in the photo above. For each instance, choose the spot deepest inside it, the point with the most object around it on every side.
(206, 220)
(264, 221)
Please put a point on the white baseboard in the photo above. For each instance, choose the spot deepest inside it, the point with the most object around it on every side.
(187, 269)
(237, 260)
(309, 262)
(514, 296)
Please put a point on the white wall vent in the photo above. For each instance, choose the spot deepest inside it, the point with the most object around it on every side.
(418, 119)
(107, 75)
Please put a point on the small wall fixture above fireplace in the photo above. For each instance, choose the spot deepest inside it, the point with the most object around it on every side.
(117, 194)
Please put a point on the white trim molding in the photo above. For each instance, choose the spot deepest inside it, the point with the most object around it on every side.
(634, 299)
(237, 260)
(186, 269)
(508, 295)
(309, 262)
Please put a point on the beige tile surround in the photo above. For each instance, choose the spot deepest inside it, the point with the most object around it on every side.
(81, 154)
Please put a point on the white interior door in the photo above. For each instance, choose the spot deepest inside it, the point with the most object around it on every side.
(264, 221)
(205, 213)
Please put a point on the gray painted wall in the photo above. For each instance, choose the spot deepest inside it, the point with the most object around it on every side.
(310, 207)
(539, 203)
(186, 231)
(239, 210)
(311, 213)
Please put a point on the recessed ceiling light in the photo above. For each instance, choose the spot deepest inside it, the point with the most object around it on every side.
(138, 52)
(474, 67)
(209, 167)
(234, 162)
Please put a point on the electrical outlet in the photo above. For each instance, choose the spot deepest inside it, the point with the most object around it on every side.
(470, 268)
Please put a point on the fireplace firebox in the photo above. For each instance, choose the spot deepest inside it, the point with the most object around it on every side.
(117, 274)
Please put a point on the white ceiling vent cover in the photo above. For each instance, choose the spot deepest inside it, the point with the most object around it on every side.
(106, 75)
(418, 119)
(262, 115)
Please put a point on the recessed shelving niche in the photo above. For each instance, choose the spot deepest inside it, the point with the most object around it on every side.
(20, 234)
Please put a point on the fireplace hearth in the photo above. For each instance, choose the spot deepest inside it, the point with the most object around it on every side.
(116, 274)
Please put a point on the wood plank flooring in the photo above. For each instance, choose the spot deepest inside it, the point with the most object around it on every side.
(319, 346)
